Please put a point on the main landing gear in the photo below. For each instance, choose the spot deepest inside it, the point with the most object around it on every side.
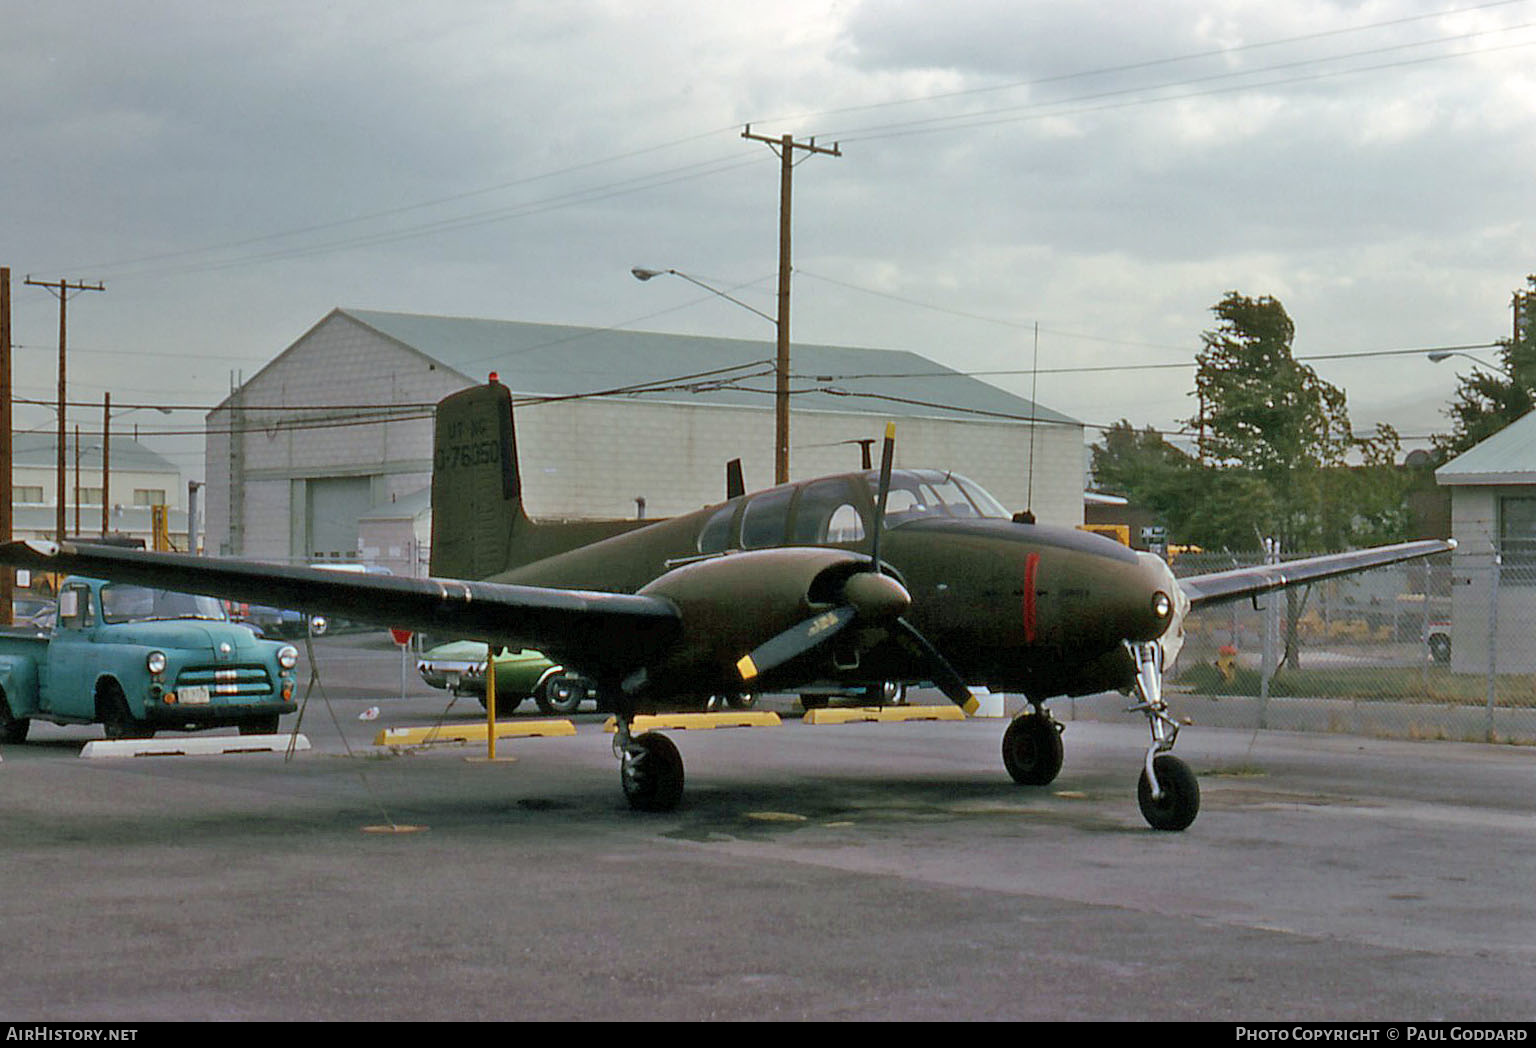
(650, 769)
(1168, 793)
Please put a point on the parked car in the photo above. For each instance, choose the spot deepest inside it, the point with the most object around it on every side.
(278, 622)
(459, 667)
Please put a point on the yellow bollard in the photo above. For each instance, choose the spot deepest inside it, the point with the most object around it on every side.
(490, 702)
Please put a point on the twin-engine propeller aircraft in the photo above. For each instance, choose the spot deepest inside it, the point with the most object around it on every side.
(853, 581)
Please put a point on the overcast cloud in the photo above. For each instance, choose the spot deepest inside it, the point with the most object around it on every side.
(1103, 171)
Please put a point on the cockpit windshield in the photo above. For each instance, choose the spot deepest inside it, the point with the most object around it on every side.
(121, 603)
(919, 493)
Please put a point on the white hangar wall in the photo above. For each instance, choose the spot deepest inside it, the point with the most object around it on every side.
(288, 452)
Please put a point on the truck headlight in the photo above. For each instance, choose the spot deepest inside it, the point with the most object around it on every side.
(155, 662)
(288, 656)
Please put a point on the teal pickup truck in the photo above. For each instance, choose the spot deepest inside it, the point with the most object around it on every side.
(136, 660)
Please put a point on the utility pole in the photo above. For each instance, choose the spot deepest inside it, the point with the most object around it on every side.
(61, 290)
(106, 462)
(7, 521)
(785, 147)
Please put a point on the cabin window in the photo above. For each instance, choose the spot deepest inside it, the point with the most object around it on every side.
(716, 535)
(765, 521)
(825, 513)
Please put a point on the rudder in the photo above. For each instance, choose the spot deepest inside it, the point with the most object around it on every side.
(477, 496)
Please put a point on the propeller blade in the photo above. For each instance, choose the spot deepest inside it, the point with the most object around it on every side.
(795, 641)
(887, 454)
(944, 675)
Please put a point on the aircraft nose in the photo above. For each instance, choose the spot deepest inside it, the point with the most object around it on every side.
(1160, 592)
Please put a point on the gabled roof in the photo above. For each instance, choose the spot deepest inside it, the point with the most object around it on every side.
(553, 360)
(40, 451)
(1507, 457)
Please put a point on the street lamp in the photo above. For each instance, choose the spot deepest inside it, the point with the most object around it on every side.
(1444, 354)
(781, 368)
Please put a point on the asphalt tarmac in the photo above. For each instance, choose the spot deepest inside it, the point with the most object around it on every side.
(863, 871)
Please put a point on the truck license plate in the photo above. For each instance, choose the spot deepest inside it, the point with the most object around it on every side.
(193, 695)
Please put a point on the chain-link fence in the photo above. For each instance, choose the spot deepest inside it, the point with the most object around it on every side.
(1441, 648)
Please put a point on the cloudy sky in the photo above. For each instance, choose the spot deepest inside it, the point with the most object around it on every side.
(1098, 172)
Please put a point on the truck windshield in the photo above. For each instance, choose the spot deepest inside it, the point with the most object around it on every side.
(140, 604)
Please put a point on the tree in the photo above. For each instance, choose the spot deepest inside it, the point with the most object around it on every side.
(1486, 401)
(1139, 464)
(1283, 438)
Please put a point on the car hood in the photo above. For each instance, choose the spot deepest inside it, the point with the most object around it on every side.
(220, 641)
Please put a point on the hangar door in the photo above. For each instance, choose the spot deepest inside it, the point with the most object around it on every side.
(332, 507)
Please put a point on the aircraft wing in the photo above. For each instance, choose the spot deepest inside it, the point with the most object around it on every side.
(1238, 583)
(626, 629)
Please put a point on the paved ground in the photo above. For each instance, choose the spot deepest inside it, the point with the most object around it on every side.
(853, 872)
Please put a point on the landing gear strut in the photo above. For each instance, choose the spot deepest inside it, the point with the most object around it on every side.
(1168, 792)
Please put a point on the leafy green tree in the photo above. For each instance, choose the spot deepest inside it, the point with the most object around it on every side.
(1284, 437)
(1488, 400)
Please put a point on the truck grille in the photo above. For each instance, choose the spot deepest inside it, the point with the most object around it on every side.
(227, 681)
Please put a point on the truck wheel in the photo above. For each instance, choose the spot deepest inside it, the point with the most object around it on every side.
(117, 720)
(13, 732)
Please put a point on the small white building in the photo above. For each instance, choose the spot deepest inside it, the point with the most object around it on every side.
(1493, 520)
(313, 456)
(139, 478)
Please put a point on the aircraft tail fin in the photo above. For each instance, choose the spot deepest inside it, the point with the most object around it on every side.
(477, 493)
(479, 525)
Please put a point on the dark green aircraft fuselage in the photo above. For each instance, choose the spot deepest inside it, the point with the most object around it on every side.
(1013, 606)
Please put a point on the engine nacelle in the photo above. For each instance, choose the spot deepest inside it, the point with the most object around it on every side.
(733, 603)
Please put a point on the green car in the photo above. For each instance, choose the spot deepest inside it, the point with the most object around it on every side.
(459, 667)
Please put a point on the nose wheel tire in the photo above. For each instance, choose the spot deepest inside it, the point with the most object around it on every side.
(1032, 750)
(1180, 800)
(651, 773)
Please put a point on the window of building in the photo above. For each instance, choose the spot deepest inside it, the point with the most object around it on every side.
(28, 493)
(149, 496)
(1517, 530)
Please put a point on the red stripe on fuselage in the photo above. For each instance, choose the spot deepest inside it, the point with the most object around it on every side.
(1031, 563)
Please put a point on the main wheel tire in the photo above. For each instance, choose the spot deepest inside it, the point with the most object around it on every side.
(1032, 750)
(13, 731)
(1180, 802)
(653, 778)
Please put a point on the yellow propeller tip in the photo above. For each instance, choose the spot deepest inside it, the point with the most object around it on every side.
(746, 667)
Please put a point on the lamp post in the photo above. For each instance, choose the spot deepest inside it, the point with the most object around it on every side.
(780, 367)
(1445, 354)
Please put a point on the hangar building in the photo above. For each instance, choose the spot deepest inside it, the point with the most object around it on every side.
(325, 454)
